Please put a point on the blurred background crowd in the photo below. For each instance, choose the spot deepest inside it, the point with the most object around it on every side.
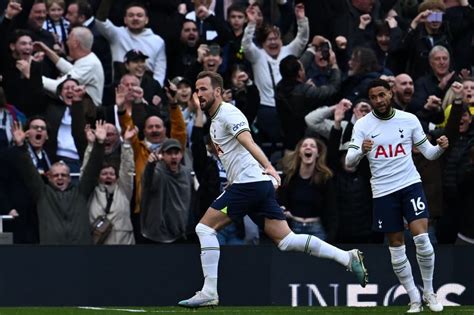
(89, 89)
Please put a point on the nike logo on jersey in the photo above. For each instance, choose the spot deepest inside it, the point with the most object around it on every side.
(373, 136)
(417, 213)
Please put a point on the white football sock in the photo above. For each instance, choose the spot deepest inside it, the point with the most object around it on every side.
(426, 259)
(210, 252)
(402, 268)
(314, 246)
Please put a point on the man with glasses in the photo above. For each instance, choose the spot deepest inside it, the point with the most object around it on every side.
(14, 198)
(61, 206)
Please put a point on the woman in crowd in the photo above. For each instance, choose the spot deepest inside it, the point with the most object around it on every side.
(307, 194)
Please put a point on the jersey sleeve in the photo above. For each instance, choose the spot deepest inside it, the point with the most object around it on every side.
(354, 152)
(418, 136)
(357, 137)
(235, 122)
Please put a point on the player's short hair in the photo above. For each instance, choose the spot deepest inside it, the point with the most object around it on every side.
(378, 82)
(216, 79)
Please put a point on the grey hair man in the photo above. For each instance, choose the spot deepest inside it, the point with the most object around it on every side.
(86, 69)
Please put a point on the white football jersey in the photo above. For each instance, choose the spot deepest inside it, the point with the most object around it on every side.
(390, 159)
(226, 124)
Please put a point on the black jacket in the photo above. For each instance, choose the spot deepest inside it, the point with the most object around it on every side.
(353, 193)
(63, 215)
(294, 100)
(416, 45)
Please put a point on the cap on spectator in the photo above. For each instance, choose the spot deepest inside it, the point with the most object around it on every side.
(181, 80)
(432, 5)
(133, 55)
(169, 144)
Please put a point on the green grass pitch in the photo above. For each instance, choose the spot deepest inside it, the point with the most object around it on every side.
(224, 310)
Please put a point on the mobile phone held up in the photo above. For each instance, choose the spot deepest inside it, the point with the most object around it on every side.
(435, 16)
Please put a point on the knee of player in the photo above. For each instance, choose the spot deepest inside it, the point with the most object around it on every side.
(286, 244)
(202, 229)
(422, 241)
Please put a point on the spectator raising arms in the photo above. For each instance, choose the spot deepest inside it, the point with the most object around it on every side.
(62, 206)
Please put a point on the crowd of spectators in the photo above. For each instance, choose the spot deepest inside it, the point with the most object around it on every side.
(98, 122)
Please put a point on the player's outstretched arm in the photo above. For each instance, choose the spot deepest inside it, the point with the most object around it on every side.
(432, 152)
(245, 139)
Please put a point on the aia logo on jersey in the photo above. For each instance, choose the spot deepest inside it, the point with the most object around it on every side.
(389, 151)
(237, 126)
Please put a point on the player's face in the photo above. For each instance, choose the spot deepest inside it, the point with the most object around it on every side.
(380, 98)
(172, 159)
(308, 151)
(206, 93)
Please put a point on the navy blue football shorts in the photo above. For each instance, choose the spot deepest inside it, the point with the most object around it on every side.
(409, 203)
(256, 199)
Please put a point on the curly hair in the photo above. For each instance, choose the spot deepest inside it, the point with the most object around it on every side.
(366, 59)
